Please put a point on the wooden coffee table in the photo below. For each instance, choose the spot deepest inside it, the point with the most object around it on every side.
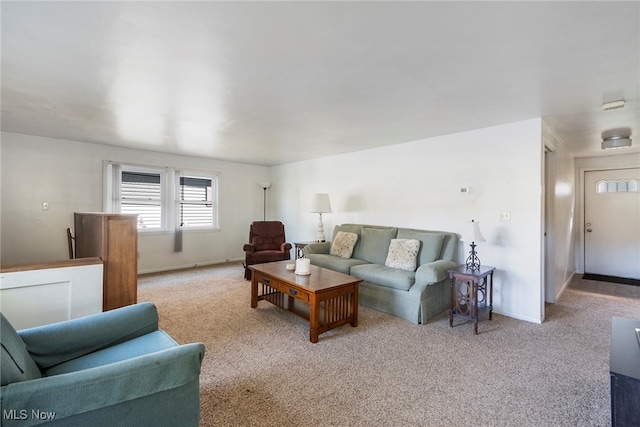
(326, 298)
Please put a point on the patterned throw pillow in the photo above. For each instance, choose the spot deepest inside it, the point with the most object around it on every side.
(403, 254)
(343, 244)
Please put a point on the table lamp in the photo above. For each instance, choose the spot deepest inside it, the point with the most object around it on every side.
(472, 234)
(320, 205)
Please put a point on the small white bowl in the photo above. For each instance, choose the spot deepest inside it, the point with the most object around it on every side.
(290, 266)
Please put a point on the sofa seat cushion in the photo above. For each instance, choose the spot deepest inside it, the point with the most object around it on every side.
(266, 256)
(265, 243)
(336, 263)
(16, 362)
(381, 275)
(146, 344)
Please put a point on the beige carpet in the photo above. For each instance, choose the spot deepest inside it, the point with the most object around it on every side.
(261, 370)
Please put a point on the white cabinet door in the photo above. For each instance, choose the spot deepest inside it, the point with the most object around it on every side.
(38, 297)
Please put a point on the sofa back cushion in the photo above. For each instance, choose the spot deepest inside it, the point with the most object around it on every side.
(267, 235)
(52, 344)
(373, 245)
(349, 228)
(16, 362)
(431, 244)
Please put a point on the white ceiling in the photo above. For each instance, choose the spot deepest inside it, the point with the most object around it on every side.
(277, 82)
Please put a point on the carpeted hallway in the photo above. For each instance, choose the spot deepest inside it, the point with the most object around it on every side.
(261, 370)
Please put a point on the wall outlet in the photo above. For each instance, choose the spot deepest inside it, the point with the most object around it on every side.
(464, 190)
(45, 206)
(505, 215)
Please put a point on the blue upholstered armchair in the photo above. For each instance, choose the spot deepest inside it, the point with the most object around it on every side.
(109, 369)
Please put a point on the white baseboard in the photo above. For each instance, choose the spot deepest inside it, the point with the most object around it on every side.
(519, 317)
(565, 286)
(182, 267)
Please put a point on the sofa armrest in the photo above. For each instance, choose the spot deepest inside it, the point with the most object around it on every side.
(249, 248)
(434, 272)
(58, 342)
(317, 248)
(285, 247)
(74, 393)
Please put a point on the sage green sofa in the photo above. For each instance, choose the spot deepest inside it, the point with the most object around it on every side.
(413, 295)
(109, 369)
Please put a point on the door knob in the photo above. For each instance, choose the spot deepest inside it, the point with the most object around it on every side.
(589, 230)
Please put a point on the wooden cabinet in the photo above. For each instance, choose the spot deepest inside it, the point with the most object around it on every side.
(114, 239)
(624, 367)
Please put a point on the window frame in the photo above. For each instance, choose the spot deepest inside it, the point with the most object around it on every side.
(169, 190)
(163, 196)
(213, 177)
(617, 186)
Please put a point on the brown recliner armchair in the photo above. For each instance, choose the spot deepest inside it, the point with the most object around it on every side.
(267, 243)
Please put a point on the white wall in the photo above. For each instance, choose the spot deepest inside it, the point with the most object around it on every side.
(68, 175)
(416, 184)
(562, 227)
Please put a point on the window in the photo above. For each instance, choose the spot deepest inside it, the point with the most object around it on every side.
(141, 193)
(196, 202)
(164, 199)
(617, 186)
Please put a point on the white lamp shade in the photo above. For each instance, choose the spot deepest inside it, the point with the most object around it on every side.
(472, 233)
(265, 185)
(321, 203)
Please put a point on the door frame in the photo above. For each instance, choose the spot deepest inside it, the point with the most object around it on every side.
(548, 230)
(622, 161)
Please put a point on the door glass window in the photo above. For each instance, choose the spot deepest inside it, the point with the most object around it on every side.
(617, 186)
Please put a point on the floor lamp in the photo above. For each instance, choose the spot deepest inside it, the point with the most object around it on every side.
(264, 186)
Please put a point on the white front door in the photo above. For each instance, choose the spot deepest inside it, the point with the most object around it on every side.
(612, 223)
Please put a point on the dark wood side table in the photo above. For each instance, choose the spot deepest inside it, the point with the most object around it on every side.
(471, 293)
(300, 248)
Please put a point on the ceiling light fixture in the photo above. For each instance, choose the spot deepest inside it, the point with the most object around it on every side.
(613, 105)
(613, 142)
